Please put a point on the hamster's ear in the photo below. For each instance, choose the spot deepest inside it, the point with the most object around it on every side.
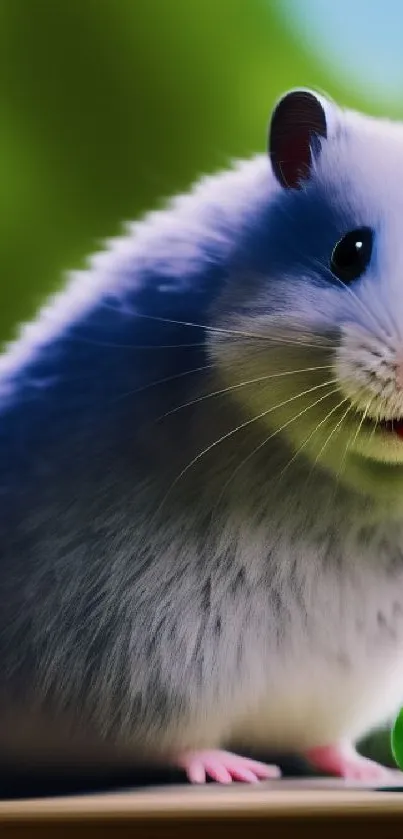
(298, 121)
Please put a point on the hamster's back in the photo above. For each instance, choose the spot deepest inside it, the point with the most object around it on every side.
(82, 456)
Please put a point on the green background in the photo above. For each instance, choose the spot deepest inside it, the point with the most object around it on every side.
(109, 106)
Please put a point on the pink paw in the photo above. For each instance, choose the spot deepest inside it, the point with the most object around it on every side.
(223, 767)
(345, 762)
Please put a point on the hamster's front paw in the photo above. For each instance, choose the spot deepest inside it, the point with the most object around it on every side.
(344, 761)
(223, 767)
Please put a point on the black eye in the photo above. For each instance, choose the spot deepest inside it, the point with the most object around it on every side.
(352, 254)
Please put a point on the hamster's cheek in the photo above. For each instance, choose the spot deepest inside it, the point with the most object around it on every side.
(382, 481)
(366, 368)
(291, 384)
(288, 381)
(374, 443)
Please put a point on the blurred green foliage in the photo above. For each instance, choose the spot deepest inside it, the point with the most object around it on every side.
(108, 106)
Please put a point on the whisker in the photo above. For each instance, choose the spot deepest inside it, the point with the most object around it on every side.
(307, 439)
(277, 339)
(327, 441)
(231, 388)
(323, 267)
(114, 345)
(353, 437)
(166, 380)
(267, 339)
(204, 327)
(266, 440)
(376, 423)
(235, 430)
(350, 442)
(363, 306)
(209, 328)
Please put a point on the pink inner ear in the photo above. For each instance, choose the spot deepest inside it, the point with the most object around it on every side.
(298, 119)
(295, 159)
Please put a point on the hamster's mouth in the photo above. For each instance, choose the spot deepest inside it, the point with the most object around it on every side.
(379, 440)
(392, 426)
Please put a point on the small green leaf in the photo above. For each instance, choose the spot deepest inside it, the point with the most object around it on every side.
(397, 739)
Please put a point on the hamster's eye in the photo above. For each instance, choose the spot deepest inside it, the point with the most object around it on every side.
(352, 254)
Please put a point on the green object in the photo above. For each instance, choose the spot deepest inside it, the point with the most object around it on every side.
(397, 739)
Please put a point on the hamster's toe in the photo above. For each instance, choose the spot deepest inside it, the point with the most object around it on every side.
(223, 767)
(344, 761)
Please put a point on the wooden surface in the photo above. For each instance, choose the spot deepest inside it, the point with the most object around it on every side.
(282, 807)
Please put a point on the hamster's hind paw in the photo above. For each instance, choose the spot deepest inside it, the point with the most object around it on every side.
(223, 767)
(344, 761)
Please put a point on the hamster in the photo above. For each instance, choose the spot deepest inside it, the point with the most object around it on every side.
(201, 449)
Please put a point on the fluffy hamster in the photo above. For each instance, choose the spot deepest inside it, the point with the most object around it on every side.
(201, 518)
